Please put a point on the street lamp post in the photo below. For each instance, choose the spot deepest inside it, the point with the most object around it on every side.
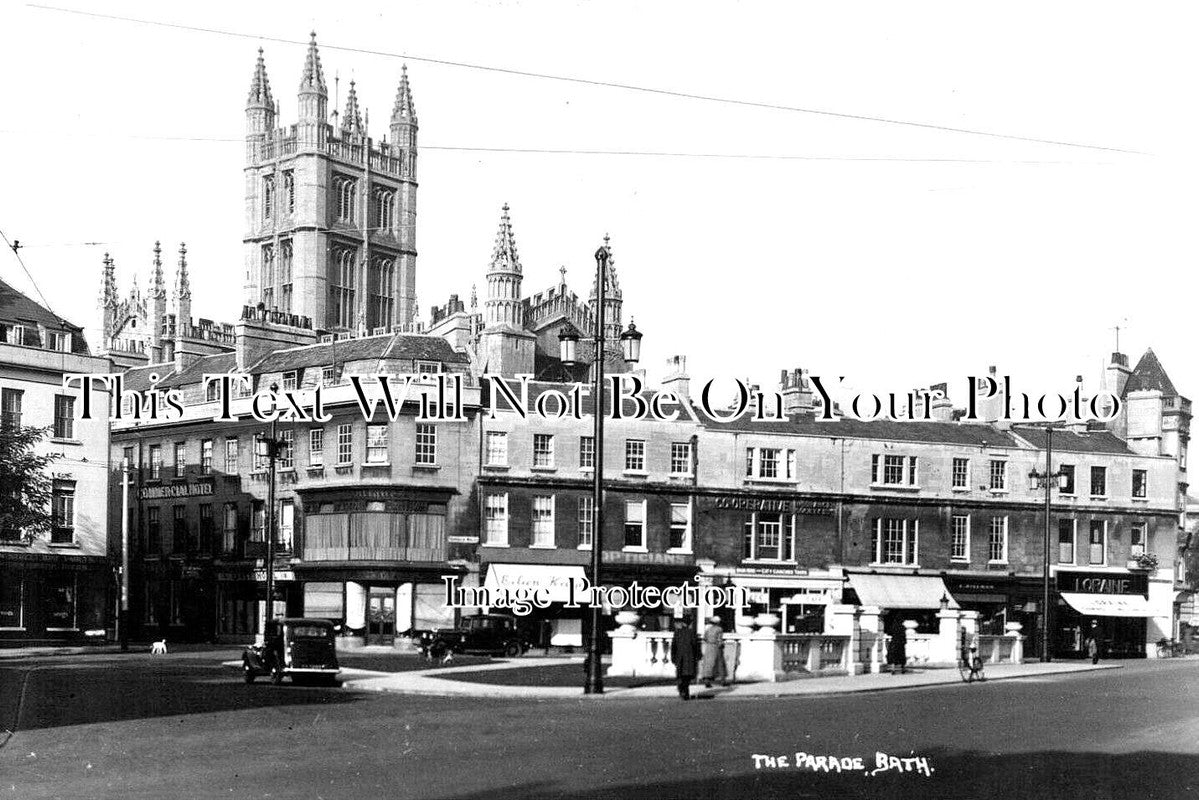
(1046, 478)
(270, 448)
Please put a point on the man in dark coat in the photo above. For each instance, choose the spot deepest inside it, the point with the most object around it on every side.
(897, 650)
(1093, 643)
(684, 652)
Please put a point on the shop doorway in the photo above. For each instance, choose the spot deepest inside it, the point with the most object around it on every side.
(381, 618)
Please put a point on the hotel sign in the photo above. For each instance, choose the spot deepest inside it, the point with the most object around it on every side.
(1103, 582)
(176, 490)
(782, 505)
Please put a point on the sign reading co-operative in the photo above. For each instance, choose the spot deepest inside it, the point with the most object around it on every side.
(175, 490)
(783, 505)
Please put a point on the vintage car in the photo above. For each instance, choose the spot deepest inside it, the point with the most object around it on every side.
(301, 648)
(491, 634)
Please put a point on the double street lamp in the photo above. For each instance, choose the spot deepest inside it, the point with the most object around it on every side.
(269, 449)
(1046, 478)
(630, 345)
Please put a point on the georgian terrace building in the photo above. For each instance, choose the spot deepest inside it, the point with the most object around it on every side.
(367, 509)
(905, 515)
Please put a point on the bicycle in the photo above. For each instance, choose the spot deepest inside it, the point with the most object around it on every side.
(970, 665)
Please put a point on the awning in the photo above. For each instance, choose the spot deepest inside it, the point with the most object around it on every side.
(552, 577)
(901, 591)
(1108, 605)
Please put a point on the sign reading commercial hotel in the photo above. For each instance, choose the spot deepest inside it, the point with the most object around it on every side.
(175, 490)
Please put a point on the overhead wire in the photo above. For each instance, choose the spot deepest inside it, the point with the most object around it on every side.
(595, 82)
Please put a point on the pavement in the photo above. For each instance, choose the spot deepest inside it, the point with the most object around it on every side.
(434, 682)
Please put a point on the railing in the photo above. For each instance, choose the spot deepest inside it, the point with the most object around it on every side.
(995, 649)
(919, 647)
(814, 652)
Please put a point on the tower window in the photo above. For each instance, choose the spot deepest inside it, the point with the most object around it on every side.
(381, 282)
(341, 288)
(289, 190)
(346, 190)
(285, 263)
(384, 210)
(268, 196)
(268, 275)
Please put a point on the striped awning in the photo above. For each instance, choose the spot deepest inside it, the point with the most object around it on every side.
(901, 591)
(1108, 605)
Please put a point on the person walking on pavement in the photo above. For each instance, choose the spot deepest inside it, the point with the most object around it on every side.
(1093, 642)
(684, 652)
(897, 651)
(712, 667)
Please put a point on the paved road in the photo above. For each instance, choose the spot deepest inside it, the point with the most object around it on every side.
(180, 726)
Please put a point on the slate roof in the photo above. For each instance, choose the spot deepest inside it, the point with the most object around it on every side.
(1071, 442)
(17, 308)
(1149, 374)
(137, 379)
(397, 346)
(194, 373)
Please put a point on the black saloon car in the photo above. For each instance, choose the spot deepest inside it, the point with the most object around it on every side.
(491, 634)
(300, 648)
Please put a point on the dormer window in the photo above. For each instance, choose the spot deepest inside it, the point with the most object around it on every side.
(290, 380)
(428, 367)
(59, 341)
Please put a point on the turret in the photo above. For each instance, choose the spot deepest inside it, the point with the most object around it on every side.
(106, 304)
(351, 121)
(403, 117)
(313, 99)
(503, 305)
(182, 297)
(260, 109)
(156, 305)
(613, 299)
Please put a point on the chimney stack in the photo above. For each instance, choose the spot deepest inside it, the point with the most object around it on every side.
(796, 391)
(676, 379)
(940, 408)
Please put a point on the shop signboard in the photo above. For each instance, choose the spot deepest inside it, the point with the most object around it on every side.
(783, 505)
(1080, 582)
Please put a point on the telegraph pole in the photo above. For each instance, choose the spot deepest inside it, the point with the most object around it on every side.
(123, 613)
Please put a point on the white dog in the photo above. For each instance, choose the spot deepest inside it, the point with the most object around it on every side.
(159, 648)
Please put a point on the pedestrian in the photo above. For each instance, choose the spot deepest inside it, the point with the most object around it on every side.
(712, 667)
(684, 652)
(897, 651)
(1093, 642)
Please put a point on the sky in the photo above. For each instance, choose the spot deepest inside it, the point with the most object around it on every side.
(897, 255)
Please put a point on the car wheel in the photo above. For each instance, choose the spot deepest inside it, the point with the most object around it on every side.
(276, 675)
(247, 672)
(512, 649)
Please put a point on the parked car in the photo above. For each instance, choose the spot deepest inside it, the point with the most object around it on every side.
(491, 634)
(300, 648)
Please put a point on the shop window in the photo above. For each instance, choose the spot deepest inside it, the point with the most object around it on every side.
(376, 444)
(586, 452)
(543, 521)
(426, 443)
(150, 603)
(1066, 530)
(634, 525)
(64, 417)
(58, 596)
(959, 548)
(997, 541)
(495, 520)
(12, 603)
(998, 475)
(1140, 483)
(543, 450)
(497, 449)
(1067, 479)
(1137, 539)
(316, 448)
(175, 602)
(680, 458)
(680, 527)
(1098, 542)
(586, 520)
(895, 541)
(634, 455)
(961, 473)
(1098, 481)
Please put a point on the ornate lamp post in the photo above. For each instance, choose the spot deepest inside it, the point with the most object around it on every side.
(630, 343)
(270, 449)
(1046, 479)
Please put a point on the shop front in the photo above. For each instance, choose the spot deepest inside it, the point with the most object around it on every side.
(799, 597)
(1000, 601)
(900, 598)
(44, 599)
(1117, 601)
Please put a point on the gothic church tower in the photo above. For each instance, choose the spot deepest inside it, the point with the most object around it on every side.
(330, 213)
